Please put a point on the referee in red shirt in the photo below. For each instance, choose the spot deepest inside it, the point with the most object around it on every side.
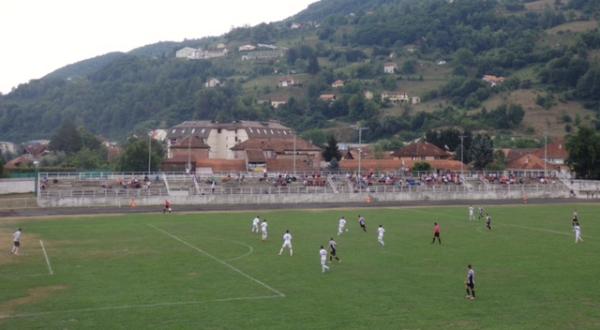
(436, 233)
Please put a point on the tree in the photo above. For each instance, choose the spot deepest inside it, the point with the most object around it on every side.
(409, 67)
(67, 138)
(313, 65)
(482, 151)
(421, 167)
(135, 156)
(87, 159)
(331, 150)
(584, 153)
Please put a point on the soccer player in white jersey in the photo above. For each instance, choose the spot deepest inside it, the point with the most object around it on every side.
(577, 231)
(256, 224)
(471, 213)
(380, 232)
(287, 243)
(16, 242)
(264, 229)
(323, 254)
(342, 226)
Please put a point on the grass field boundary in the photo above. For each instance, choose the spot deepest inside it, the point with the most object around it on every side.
(222, 262)
(50, 271)
(141, 306)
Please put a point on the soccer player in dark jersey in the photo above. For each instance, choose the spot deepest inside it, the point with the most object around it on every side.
(333, 250)
(488, 222)
(436, 233)
(470, 283)
(362, 222)
(167, 207)
(481, 211)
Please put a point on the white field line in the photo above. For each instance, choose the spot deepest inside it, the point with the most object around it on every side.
(128, 307)
(224, 263)
(250, 251)
(47, 260)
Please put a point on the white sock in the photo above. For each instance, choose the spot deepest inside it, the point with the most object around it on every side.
(291, 252)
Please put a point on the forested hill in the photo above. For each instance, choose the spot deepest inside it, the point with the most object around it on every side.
(546, 53)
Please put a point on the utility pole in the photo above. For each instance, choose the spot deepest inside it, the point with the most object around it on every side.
(149, 151)
(545, 155)
(189, 163)
(294, 154)
(462, 151)
(360, 129)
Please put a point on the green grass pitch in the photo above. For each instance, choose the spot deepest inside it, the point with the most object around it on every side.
(208, 271)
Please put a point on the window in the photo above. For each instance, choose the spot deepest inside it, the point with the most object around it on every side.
(284, 132)
(173, 131)
(219, 130)
(272, 132)
(193, 130)
(203, 130)
(250, 128)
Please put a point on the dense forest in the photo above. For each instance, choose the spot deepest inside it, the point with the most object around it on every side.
(117, 94)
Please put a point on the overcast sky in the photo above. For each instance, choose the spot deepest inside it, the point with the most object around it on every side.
(39, 36)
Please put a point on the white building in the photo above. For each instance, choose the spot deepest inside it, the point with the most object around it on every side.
(221, 137)
(390, 68)
(212, 82)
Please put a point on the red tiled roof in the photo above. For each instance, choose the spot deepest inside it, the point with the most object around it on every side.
(529, 162)
(514, 154)
(555, 150)
(421, 149)
(255, 156)
(19, 162)
(398, 164)
(278, 145)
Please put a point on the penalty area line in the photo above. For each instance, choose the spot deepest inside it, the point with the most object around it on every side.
(130, 307)
(50, 271)
(222, 262)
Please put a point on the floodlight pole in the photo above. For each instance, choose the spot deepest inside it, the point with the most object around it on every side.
(360, 129)
(294, 161)
(545, 155)
(462, 150)
(149, 151)
(189, 162)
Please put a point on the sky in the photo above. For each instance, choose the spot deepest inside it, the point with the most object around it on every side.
(40, 36)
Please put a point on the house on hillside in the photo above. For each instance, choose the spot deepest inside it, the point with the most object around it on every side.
(368, 95)
(185, 52)
(338, 84)
(276, 103)
(246, 48)
(212, 83)
(327, 97)
(288, 82)
(263, 55)
(395, 97)
(390, 68)
(492, 80)
(422, 151)
(199, 53)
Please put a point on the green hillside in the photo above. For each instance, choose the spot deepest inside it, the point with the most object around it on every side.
(547, 51)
